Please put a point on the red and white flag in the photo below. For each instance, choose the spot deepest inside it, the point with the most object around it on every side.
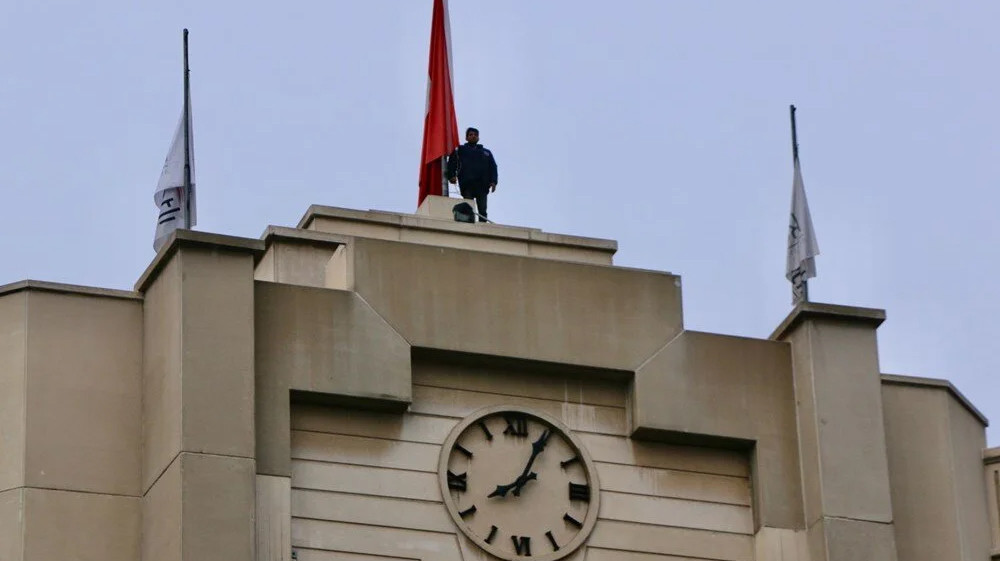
(440, 124)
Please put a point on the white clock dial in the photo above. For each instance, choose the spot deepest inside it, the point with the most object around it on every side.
(519, 484)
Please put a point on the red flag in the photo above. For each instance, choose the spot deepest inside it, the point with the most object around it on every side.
(440, 124)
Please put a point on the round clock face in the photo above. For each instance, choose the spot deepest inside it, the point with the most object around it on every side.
(519, 484)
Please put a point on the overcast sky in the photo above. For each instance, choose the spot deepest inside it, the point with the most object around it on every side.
(663, 125)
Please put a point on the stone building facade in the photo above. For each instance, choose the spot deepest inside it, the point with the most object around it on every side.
(351, 388)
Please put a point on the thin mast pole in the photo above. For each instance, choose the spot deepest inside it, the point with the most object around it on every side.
(445, 189)
(795, 163)
(795, 138)
(187, 135)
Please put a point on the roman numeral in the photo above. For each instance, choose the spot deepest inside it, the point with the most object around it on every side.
(468, 511)
(552, 540)
(456, 481)
(486, 430)
(493, 534)
(572, 460)
(579, 492)
(522, 545)
(465, 451)
(517, 425)
(572, 520)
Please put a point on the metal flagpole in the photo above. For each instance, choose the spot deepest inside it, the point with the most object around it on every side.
(795, 162)
(445, 187)
(187, 135)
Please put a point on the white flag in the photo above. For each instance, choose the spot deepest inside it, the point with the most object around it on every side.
(175, 203)
(802, 246)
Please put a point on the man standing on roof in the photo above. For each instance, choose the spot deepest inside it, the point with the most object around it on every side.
(475, 170)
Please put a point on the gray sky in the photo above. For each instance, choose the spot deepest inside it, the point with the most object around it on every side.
(663, 125)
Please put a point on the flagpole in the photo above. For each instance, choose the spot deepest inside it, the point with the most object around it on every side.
(795, 162)
(445, 191)
(187, 136)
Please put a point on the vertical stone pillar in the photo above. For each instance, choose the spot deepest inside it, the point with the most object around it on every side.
(845, 475)
(991, 457)
(70, 359)
(198, 466)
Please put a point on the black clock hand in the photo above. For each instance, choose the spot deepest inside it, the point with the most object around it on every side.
(526, 475)
(536, 448)
(502, 490)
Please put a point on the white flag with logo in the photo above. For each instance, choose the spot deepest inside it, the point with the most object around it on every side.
(802, 246)
(175, 203)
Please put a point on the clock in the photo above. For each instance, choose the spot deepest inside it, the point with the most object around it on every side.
(519, 484)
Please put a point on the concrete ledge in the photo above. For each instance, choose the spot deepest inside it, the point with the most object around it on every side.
(294, 235)
(297, 257)
(412, 221)
(940, 384)
(454, 299)
(192, 238)
(374, 402)
(442, 208)
(540, 367)
(73, 525)
(810, 310)
(322, 346)
(45, 286)
(729, 392)
(991, 455)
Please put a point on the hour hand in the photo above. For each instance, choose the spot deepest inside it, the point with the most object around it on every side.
(522, 481)
(502, 490)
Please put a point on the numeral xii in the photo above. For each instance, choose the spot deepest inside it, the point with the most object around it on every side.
(517, 425)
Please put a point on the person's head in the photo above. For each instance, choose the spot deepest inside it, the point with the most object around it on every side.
(472, 135)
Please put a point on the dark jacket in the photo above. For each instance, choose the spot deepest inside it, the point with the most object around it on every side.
(473, 165)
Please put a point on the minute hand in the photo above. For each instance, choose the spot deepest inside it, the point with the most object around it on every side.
(536, 449)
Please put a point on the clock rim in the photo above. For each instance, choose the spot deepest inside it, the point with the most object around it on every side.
(595, 494)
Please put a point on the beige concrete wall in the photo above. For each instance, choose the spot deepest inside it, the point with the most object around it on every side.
(842, 442)
(365, 484)
(80, 526)
(198, 376)
(991, 457)
(162, 516)
(968, 440)
(198, 395)
(218, 353)
(939, 496)
(69, 422)
(13, 388)
(848, 423)
(274, 518)
(218, 505)
(12, 524)
(201, 509)
(300, 262)
(493, 238)
(702, 387)
(916, 422)
(83, 393)
(329, 343)
(161, 378)
(781, 544)
(565, 313)
(849, 540)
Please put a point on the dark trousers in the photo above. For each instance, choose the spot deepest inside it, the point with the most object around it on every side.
(479, 193)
